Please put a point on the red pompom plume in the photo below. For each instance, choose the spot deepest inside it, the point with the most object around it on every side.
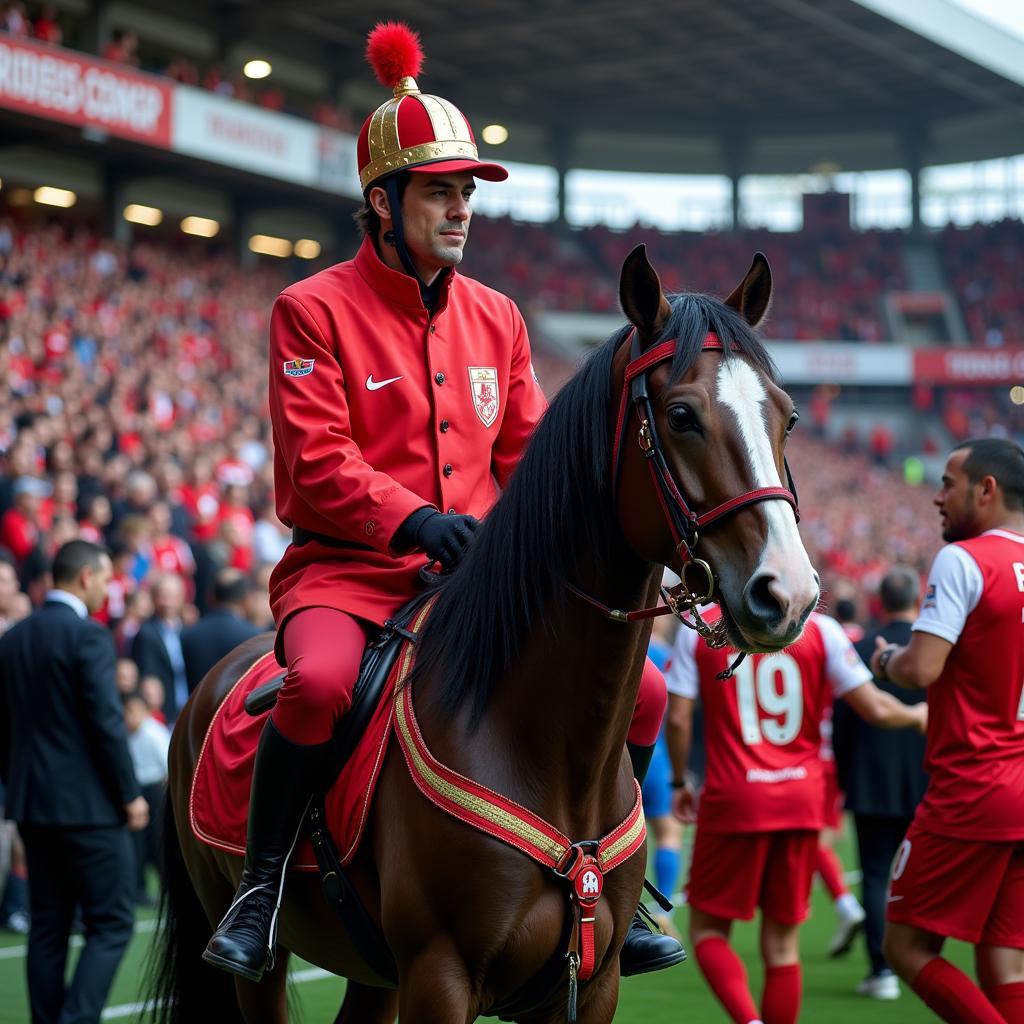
(393, 51)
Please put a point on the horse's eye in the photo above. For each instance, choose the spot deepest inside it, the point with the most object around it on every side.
(793, 421)
(681, 419)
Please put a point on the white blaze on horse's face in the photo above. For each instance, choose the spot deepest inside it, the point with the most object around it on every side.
(784, 586)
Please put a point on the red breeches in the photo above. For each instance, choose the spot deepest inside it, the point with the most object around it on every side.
(650, 707)
(323, 648)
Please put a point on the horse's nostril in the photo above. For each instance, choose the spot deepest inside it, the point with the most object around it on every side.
(762, 599)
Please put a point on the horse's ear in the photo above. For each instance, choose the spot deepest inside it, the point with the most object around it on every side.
(640, 293)
(751, 296)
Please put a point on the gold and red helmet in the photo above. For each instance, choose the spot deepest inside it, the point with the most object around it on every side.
(413, 131)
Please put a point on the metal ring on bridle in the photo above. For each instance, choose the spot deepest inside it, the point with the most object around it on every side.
(693, 597)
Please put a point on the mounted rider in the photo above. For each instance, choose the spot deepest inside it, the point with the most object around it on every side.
(401, 396)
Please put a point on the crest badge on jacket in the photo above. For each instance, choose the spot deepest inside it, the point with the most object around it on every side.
(484, 382)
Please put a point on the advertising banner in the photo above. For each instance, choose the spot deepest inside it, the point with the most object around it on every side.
(969, 365)
(842, 363)
(59, 85)
(225, 131)
(338, 168)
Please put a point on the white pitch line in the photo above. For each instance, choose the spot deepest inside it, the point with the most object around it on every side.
(133, 1009)
(16, 952)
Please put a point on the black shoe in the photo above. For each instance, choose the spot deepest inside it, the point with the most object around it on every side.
(283, 779)
(243, 942)
(645, 951)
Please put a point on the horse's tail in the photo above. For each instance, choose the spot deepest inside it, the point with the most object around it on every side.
(181, 988)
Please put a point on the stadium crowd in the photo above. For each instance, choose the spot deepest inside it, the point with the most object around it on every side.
(135, 415)
(828, 284)
(984, 265)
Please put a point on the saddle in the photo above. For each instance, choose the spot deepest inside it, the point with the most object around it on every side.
(375, 670)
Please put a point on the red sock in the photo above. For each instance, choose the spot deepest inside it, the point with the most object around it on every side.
(727, 977)
(953, 996)
(831, 871)
(780, 1000)
(1008, 1000)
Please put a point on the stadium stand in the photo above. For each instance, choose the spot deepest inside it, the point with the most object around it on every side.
(115, 359)
(984, 266)
(44, 23)
(827, 285)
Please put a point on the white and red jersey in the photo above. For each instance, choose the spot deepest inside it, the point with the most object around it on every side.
(762, 727)
(202, 503)
(975, 746)
(172, 554)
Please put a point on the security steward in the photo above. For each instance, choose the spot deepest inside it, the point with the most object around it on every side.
(401, 394)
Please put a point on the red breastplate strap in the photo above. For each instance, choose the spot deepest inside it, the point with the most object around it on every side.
(582, 865)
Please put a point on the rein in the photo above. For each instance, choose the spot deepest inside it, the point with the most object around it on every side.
(685, 524)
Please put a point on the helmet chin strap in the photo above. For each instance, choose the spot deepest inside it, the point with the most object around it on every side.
(397, 232)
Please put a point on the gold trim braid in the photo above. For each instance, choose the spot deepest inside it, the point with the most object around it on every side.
(624, 842)
(422, 154)
(477, 805)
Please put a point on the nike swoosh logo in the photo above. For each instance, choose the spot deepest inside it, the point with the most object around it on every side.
(893, 899)
(376, 385)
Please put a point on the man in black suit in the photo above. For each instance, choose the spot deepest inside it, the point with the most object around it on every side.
(156, 648)
(70, 786)
(221, 630)
(881, 772)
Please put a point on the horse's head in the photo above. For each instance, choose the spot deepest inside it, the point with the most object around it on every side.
(720, 422)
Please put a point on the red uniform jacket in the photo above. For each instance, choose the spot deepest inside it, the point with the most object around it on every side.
(378, 409)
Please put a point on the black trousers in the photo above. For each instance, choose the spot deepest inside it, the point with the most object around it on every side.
(148, 842)
(878, 839)
(93, 868)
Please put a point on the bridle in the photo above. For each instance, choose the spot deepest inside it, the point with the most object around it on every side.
(685, 524)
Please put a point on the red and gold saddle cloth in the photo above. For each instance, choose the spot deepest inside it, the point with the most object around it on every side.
(219, 802)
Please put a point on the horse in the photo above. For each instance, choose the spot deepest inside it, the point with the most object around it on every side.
(526, 674)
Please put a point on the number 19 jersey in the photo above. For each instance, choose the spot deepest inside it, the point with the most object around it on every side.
(762, 727)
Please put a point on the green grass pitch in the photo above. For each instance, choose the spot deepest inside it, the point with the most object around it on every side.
(676, 996)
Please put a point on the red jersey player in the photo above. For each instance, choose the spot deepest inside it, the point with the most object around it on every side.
(960, 870)
(763, 802)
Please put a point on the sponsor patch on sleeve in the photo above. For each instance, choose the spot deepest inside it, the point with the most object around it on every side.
(298, 367)
(929, 597)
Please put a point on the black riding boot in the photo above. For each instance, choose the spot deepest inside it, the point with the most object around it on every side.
(283, 779)
(645, 950)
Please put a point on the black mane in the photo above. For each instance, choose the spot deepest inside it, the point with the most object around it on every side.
(514, 575)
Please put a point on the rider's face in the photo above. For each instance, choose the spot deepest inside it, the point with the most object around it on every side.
(955, 500)
(435, 220)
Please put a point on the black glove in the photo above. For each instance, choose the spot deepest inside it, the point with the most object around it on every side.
(444, 538)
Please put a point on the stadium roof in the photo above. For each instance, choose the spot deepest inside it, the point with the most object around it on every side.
(682, 86)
